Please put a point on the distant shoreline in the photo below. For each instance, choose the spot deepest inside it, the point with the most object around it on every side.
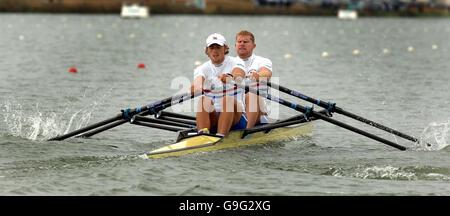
(239, 14)
(213, 7)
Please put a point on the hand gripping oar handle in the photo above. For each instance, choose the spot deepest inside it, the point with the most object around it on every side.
(309, 111)
(127, 114)
(333, 108)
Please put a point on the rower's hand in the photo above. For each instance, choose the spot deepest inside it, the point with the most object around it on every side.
(253, 76)
(226, 78)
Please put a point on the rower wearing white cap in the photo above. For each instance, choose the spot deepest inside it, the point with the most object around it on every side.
(257, 68)
(222, 107)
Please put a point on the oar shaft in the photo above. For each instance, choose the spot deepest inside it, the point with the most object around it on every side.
(375, 124)
(356, 130)
(189, 122)
(177, 115)
(149, 109)
(87, 128)
(103, 128)
(341, 111)
(159, 126)
(272, 126)
(157, 106)
(160, 121)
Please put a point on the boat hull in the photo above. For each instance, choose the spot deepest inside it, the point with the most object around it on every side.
(205, 143)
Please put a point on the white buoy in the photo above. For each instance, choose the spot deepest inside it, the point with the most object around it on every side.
(131, 35)
(197, 63)
(434, 46)
(21, 37)
(287, 56)
(99, 36)
(386, 51)
(325, 54)
(410, 49)
(356, 52)
(164, 35)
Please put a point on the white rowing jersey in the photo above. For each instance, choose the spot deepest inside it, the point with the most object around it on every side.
(253, 64)
(214, 88)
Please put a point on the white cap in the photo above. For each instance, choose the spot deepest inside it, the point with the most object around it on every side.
(215, 38)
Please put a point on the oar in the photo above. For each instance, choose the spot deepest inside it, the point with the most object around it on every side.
(127, 114)
(333, 108)
(87, 128)
(309, 111)
(102, 128)
(130, 113)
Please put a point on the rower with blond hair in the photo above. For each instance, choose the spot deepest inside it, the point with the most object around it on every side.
(257, 68)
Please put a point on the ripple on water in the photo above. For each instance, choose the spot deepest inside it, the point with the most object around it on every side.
(388, 172)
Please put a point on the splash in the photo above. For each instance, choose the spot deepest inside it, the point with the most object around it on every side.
(33, 124)
(388, 172)
(434, 137)
(385, 172)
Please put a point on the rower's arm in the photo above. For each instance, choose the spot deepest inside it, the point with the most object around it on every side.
(197, 85)
(264, 72)
(238, 74)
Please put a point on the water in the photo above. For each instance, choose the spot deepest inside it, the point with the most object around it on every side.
(394, 71)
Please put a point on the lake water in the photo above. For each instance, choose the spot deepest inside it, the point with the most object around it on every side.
(391, 70)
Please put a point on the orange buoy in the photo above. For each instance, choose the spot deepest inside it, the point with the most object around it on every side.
(73, 70)
(141, 65)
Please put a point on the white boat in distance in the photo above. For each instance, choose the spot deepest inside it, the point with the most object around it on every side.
(134, 11)
(347, 14)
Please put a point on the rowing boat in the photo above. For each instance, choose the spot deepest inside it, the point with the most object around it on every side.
(189, 142)
(194, 143)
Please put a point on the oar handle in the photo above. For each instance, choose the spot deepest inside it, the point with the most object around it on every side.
(333, 108)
